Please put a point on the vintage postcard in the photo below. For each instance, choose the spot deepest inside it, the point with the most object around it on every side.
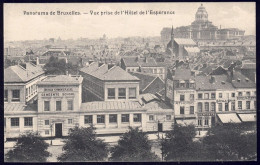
(130, 82)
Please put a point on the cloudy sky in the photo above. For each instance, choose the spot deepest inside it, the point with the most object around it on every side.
(18, 26)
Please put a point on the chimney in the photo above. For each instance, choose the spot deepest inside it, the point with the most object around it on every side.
(110, 66)
(100, 64)
(212, 79)
(90, 61)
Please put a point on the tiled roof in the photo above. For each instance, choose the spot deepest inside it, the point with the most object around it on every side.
(145, 79)
(103, 73)
(182, 74)
(19, 74)
(147, 62)
(249, 66)
(184, 41)
(131, 62)
(208, 69)
(192, 49)
(61, 79)
(19, 107)
(244, 81)
(205, 83)
(111, 105)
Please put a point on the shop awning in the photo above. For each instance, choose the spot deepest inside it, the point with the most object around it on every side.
(229, 118)
(186, 122)
(247, 117)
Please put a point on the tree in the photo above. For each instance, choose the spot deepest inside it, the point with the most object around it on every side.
(133, 146)
(230, 142)
(179, 144)
(83, 145)
(29, 148)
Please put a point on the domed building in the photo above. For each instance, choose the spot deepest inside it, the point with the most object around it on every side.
(201, 29)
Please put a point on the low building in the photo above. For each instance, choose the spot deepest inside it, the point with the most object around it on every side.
(109, 82)
(20, 82)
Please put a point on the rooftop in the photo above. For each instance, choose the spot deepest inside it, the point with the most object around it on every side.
(106, 73)
(241, 81)
(185, 41)
(19, 107)
(61, 80)
(22, 73)
(111, 105)
(206, 83)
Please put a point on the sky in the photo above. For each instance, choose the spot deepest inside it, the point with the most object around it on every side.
(18, 26)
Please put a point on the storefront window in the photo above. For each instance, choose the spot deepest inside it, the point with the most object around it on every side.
(100, 118)
(15, 122)
(125, 118)
(88, 119)
(28, 121)
(113, 118)
(137, 118)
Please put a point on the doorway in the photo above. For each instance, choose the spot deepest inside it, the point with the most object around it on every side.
(58, 130)
(160, 127)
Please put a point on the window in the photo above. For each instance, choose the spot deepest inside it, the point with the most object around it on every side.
(219, 106)
(199, 122)
(181, 97)
(247, 104)
(132, 93)
(112, 118)
(88, 119)
(168, 117)
(200, 95)
(240, 94)
(206, 121)
(182, 85)
(151, 118)
(16, 95)
(255, 93)
(226, 107)
(137, 117)
(232, 106)
(213, 95)
(111, 93)
(15, 122)
(191, 109)
(69, 121)
(125, 118)
(121, 93)
(70, 105)
(47, 122)
(6, 95)
(239, 104)
(233, 95)
(47, 132)
(213, 106)
(181, 110)
(100, 118)
(206, 96)
(191, 97)
(220, 95)
(46, 105)
(58, 105)
(191, 85)
(28, 121)
(200, 107)
(206, 106)
(247, 93)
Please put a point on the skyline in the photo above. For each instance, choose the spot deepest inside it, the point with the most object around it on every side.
(18, 26)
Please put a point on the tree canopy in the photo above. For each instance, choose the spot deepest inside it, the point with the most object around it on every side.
(57, 66)
(230, 142)
(83, 145)
(133, 146)
(179, 144)
(29, 148)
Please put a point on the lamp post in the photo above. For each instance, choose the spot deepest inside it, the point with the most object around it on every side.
(51, 132)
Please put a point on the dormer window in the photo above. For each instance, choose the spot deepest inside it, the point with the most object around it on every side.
(238, 80)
